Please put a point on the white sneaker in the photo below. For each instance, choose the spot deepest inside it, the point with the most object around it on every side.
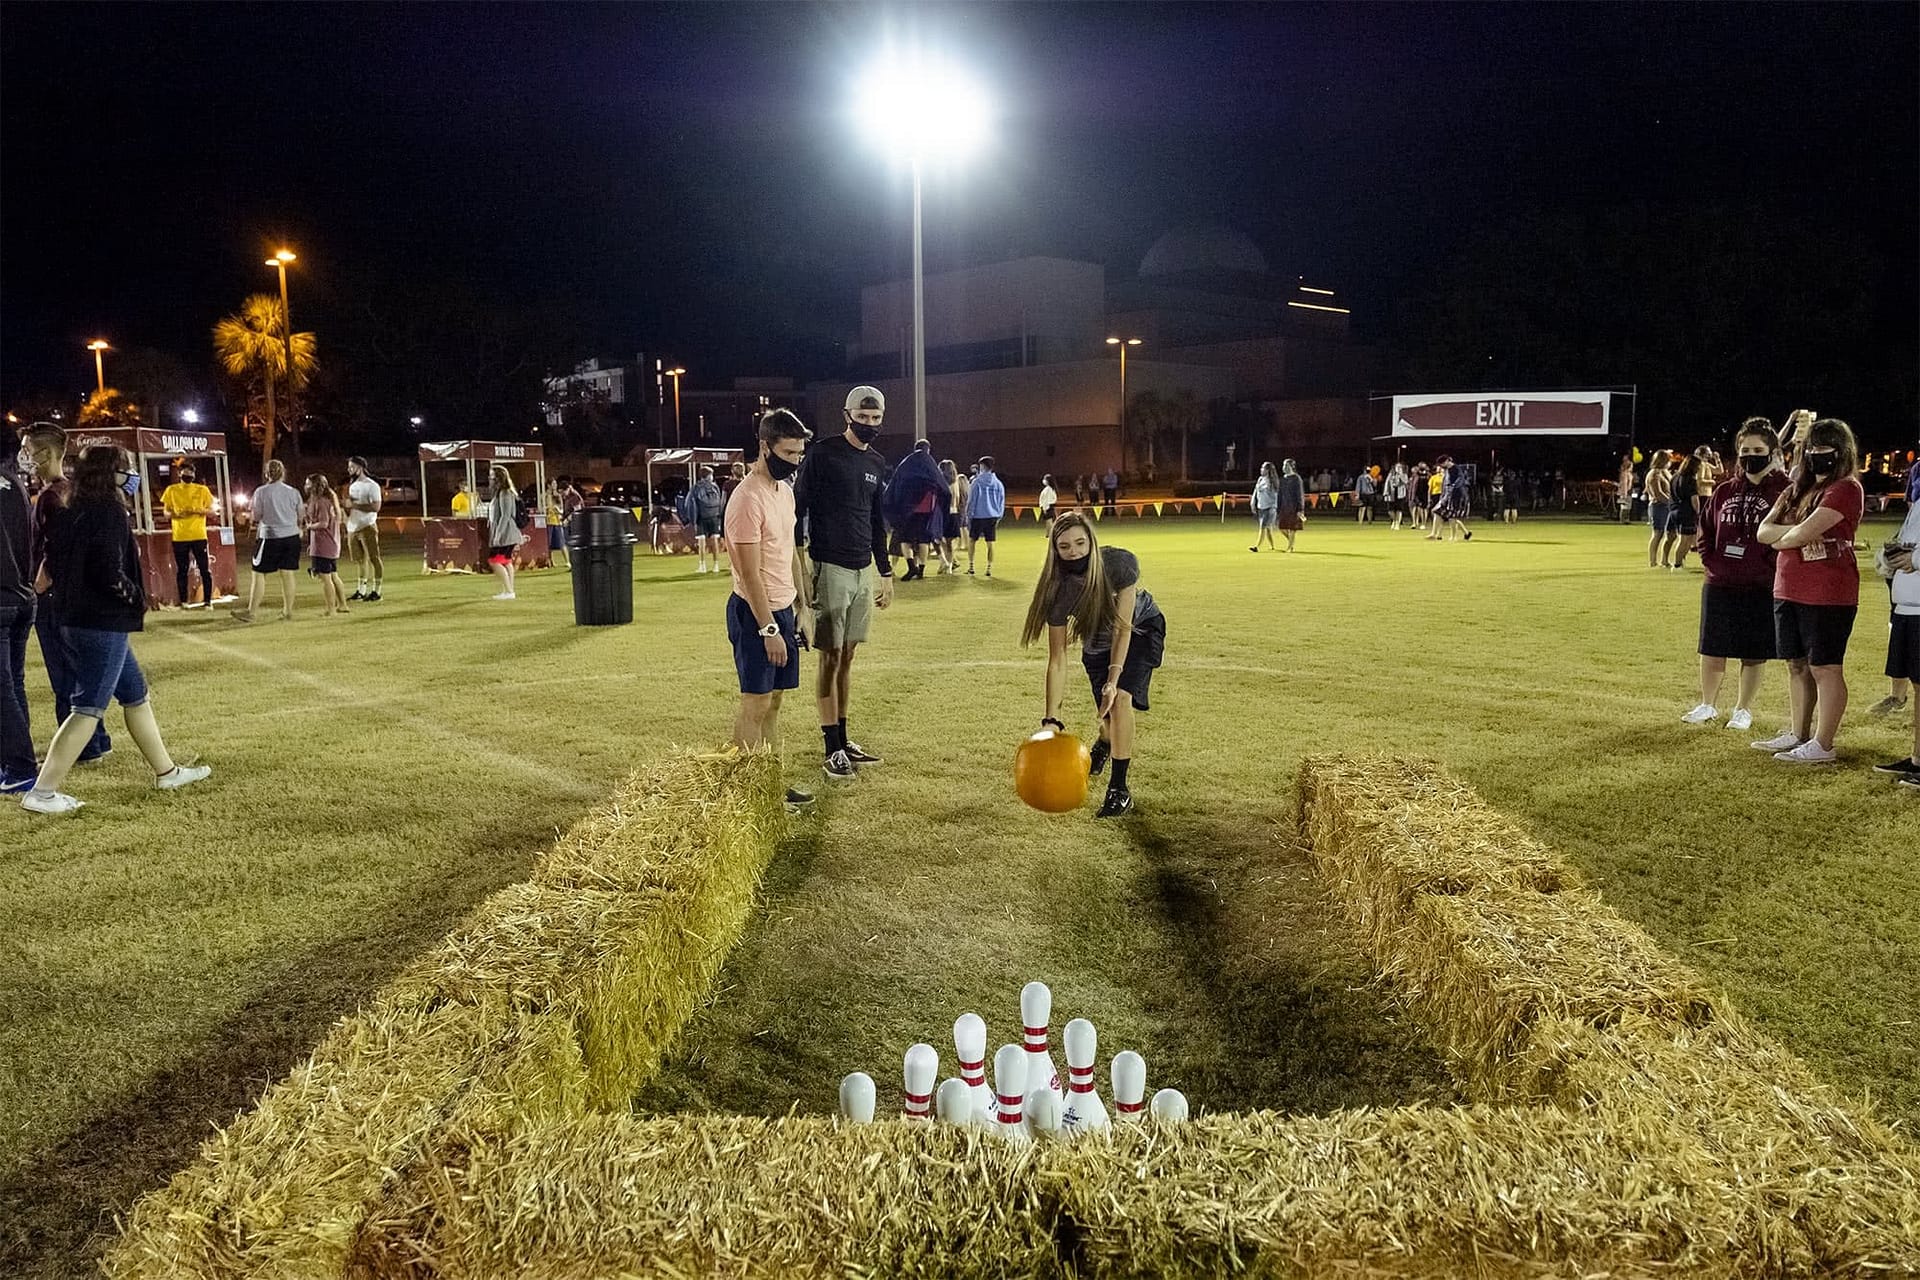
(1808, 752)
(701, 569)
(503, 595)
(1740, 720)
(182, 775)
(54, 802)
(1700, 714)
(1785, 740)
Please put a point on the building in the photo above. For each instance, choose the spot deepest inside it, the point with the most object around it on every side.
(607, 382)
(1019, 364)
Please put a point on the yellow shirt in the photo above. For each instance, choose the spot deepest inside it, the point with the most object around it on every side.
(1435, 483)
(187, 507)
(462, 505)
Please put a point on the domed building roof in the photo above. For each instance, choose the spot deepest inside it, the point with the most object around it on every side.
(1203, 250)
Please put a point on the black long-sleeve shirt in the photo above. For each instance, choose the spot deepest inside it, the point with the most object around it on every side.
(96, 568)
(16, 572)
(836, 503)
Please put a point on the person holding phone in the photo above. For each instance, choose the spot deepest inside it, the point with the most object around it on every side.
(1816, 588)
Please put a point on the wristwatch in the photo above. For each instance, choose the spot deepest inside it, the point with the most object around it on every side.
(771, 629)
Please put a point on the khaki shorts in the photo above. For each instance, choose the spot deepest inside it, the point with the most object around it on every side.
(842, 605)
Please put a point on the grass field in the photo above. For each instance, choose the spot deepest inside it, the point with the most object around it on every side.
(165, 956)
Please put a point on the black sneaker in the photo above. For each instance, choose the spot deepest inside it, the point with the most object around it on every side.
(359, 593)
(1908, 780)
(371, 596)
(797, 800)
(840, 769)
(1101, 750)
(860, 755)
(1904, 768)
(1119, 803)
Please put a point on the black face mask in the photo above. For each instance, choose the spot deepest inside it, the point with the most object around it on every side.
(778, 467)
(865, 433)
(1756, 465)
(1078, 568)
(1822, 463)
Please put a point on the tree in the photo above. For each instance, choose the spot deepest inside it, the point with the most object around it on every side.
(251, 346)
(1152, 414)
(108, 408)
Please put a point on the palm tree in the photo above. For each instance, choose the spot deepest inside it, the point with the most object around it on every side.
(252, 346)
(109, 407)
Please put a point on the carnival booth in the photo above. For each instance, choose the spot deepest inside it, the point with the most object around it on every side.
(157, 455)
(458, 544)
(664, 530)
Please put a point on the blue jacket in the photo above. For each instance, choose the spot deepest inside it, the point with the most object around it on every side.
(917, 476)
(987, 500)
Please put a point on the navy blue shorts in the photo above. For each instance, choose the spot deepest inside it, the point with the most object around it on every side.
(757, 675)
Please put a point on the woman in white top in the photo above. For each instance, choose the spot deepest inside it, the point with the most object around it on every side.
(1266, 507)
(1048, 499)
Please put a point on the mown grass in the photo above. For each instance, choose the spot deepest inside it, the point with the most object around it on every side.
(166, 956)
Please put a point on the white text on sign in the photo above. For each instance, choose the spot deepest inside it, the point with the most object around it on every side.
(1497, 413)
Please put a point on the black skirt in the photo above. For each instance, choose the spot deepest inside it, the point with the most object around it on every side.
(1736, 622)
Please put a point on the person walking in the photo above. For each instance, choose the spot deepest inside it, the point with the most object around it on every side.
(276, 542)
(1291, 512)
(1896, 562)
(1736, 601)
(45, 445)
(363, 529)
(962, 495)
(1455, 500)
(1266, 507)
(1111, 483)
(321, 520)
(504, 534)
(1048, 500)
(1365, 490)
(951, 525)
(188, 504)
(836, 496)
(94, 568)
(986, 503)
(1899, 688)
(1395, 488)
(1417, 495)
(1816, 588)
(1080, 491)
(1659, 488)
(1623, 489)
(764, 628)
(1092, 594)
(17, 763)
(915, 495)
(707, 501)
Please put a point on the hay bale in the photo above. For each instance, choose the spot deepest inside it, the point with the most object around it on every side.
(1480, 970)
(1406, 1192)
(1384, 830)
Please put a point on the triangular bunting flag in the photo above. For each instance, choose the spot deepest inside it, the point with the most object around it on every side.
(1158, 507)
(1333, 499)
(1096, 513)
(1140, 508)
(1219, 501)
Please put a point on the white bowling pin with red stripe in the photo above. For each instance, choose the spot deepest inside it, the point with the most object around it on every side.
(970, 1046)
(1010, 1093)
(1085, 1112)
(1036, 1008)
(1129, 1086)
(918, 1071)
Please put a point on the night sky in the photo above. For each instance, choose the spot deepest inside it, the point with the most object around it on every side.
(685, 178)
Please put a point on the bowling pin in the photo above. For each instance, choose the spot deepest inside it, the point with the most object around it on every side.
(1085, 1112)
(1170, 1106)
(856, 1098)
(1043, 1116)
(921, 1065)
(954, 1102)
(1036, 1007)
(1129, 1085)
(970, 1046)
(1010, 1093)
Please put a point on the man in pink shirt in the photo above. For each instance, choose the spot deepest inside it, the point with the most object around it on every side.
(762, 622)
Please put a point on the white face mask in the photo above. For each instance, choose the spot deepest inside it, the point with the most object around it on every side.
(23, 460)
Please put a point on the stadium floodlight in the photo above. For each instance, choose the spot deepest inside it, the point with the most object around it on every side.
(922, 110)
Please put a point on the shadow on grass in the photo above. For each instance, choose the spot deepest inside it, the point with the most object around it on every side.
(58, 1213)
(1278, 999)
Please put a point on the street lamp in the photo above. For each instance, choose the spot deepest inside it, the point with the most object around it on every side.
(923, 110)
(190, 416)
(675, 373)
(1123, 344)
(279, 260)
(415, 419)
(97, 346)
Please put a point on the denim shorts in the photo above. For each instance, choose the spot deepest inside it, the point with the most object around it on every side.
(104, 670)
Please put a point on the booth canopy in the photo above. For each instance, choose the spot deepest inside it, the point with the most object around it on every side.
(480, 451)
(153, 441)
(718, 457)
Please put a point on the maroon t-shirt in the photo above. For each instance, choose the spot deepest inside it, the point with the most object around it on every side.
(1825, 572)
(1732, 555)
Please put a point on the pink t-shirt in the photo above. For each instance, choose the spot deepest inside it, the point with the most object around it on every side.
(761, 511)
(323, 527)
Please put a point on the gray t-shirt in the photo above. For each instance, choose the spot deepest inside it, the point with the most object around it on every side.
(1122, 570)
(276, 510)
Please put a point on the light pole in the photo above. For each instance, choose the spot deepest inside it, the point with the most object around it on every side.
(280, 260)
(1123, 344)
(921, 109)
(98, 346)
(190, 416)
(675, 373)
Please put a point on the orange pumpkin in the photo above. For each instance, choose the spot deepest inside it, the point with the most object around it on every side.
(1050, 771)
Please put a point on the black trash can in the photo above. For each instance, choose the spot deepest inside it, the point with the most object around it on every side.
(602, 553)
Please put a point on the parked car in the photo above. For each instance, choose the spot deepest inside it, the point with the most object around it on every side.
(622, 493)
(399, 489)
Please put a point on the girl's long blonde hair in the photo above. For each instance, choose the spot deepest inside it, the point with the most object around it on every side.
(1094, 612)
(318, 485)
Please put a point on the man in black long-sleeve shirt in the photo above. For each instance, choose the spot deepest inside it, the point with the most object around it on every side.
(843, 539)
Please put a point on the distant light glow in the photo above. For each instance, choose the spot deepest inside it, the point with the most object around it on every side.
(190, 416)
(414, 420)
(921, 108)
(1314, 306)
(99, 344)
(1307, 288)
